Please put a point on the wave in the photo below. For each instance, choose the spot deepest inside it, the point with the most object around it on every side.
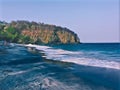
(74, 57)
(17, 72)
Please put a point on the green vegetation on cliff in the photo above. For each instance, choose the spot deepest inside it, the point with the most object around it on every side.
(36, 33)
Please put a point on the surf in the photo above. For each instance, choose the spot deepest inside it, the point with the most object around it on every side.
(74, 57)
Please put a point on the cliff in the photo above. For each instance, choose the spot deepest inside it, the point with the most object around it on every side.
(37, 33)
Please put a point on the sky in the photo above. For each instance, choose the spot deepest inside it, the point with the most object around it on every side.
(92, 20)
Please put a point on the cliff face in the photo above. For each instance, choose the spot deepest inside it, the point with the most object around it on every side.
(40, 33)
(51, 36)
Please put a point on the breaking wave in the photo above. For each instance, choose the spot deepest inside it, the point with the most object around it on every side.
(73, 57)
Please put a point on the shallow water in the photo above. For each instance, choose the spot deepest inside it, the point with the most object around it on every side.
(47, 68)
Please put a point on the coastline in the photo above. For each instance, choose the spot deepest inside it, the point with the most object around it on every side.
(32, 69)
(58, 53)
(81, 61)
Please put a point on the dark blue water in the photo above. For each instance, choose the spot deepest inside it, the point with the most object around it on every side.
(61, 67)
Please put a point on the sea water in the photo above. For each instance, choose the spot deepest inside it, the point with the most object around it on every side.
(88, 66)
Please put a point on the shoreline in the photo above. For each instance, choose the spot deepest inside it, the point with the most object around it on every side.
(31, 68)
(81, 61)
(58, 53)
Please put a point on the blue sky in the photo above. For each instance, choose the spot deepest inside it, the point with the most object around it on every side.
(92, 20)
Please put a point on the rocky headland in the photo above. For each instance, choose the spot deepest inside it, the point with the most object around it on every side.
(36, 33)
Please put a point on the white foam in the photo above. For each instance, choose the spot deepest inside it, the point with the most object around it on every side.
(37, 46)
(74, 57)
(16, 73)
(94, 62)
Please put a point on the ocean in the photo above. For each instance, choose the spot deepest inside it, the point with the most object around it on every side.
(86, 66)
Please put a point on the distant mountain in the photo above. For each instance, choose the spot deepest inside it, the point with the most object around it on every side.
(36, 33)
